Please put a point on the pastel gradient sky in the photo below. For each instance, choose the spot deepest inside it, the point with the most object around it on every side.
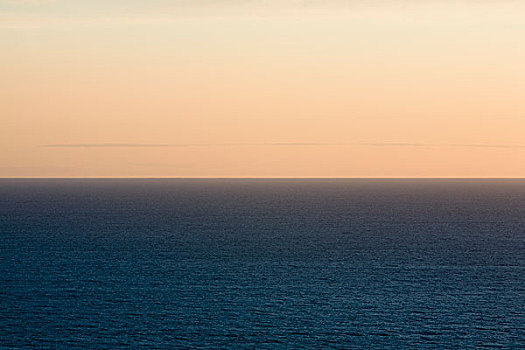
(209, 88)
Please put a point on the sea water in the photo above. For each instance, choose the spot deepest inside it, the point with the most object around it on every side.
(262, 264)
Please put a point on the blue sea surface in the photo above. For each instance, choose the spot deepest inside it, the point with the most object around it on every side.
(262, 264)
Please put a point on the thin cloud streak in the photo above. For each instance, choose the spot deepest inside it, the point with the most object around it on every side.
(399, 144)
(467, 145)
(490, 146)
(275, 144)
(115, 145)
(303, 144)
(167, 145)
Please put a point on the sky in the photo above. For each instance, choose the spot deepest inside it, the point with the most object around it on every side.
(254, 88)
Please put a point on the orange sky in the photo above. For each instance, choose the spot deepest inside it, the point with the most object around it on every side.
(263, 89)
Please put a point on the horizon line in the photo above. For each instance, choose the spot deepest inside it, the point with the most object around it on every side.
(269, 177)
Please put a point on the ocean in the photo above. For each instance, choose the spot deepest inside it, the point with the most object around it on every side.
(262, 264)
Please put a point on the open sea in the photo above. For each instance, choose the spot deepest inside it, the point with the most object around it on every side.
(262, 264)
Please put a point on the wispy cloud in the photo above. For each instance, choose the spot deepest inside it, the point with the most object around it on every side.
(396, 144)
(276, 144)
(168, 145)
(480, 145)
(28, 170)
(115, 145)
(460, 145)
(301, 144)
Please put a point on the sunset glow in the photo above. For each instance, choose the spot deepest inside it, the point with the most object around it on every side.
(262, 88)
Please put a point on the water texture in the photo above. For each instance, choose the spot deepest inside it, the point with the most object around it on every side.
(401, 264)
